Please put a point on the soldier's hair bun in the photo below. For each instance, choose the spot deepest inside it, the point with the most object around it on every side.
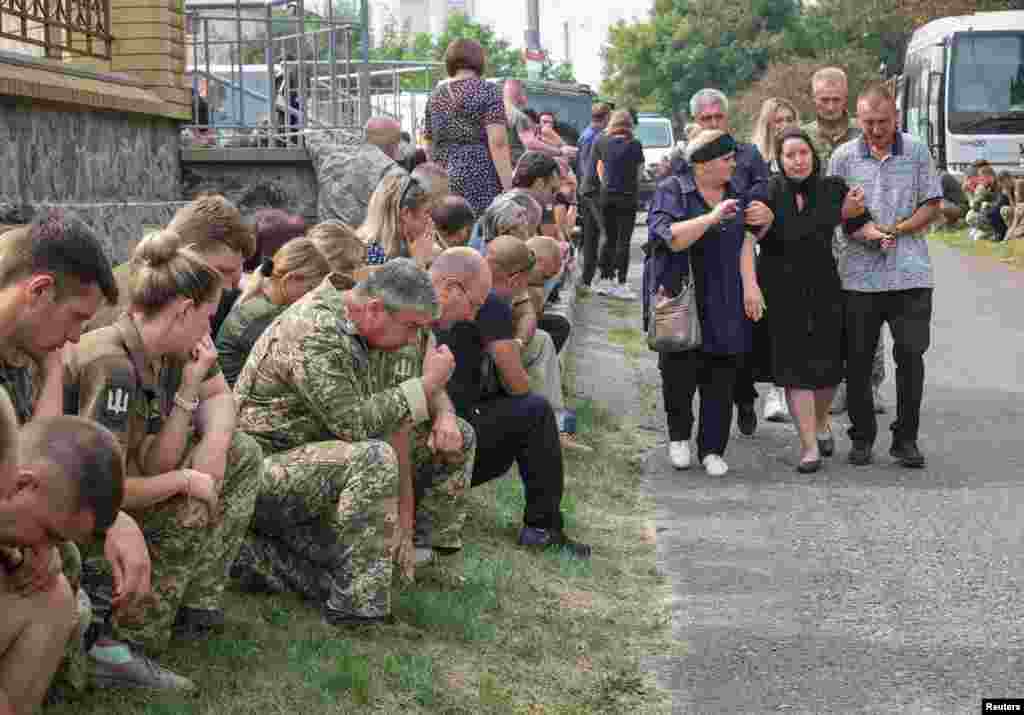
(158, 249)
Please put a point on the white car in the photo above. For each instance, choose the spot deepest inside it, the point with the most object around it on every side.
(655, 133)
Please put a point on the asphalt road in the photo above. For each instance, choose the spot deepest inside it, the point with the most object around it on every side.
(855, 590)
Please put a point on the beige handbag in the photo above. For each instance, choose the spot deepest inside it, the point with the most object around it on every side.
(674, 326)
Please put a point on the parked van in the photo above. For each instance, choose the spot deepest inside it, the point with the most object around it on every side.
(655, 132)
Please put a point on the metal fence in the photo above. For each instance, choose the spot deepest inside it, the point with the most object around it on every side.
(261, 78)
(80, 27)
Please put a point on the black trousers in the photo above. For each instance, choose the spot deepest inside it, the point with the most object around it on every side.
(744, 392)
(593, 230)
(619, 211)
(909, 314)
(522, 430)
(681, 376)
(557, 327)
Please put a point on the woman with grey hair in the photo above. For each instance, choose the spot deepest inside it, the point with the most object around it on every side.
(506, 216)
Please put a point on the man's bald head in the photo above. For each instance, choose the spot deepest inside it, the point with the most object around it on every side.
(462, 280)
(549, 258)
(385, 133)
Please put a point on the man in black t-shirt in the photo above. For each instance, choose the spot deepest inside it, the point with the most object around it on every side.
(490, 387)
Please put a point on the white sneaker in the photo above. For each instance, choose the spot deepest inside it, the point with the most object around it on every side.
(774, 407)
(679, 454)
(603, 286)
(715, 466)
(623, 292)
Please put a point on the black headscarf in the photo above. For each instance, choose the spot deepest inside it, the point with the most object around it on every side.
(799, 186)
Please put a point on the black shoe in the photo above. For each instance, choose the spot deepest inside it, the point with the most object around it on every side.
(554, 539)
(198, 622)
(907, 454)
(827, 447)
(746, 418)
(809, 467)
(860, 454)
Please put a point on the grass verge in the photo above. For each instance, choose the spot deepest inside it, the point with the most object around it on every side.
(1009, 252)
(494, 629)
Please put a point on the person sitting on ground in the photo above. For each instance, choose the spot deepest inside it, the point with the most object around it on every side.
(1002, 207)
(298, 267)
(214, 228)
(542, 177)
(547, 270)
(54, 275)
(274, 228)
(152, 379)
(434, 179)
(982, 199)
(61, 479)
(954, 201)
(342, 411)
(1015, 223)
(506, 216)
(453, 221)
(491, 390)
(398, 222)
(348, 174)
(975, 175)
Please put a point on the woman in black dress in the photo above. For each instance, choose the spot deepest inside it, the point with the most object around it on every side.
(800, 282)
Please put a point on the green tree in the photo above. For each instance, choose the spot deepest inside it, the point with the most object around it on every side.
(503, 60)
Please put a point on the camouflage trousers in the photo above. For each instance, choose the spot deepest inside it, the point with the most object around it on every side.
(325, 524)
(191, 563)
(440, 489)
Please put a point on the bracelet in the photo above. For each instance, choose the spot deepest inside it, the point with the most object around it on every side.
(188, 406)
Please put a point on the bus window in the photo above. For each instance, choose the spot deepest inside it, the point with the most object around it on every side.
(986, 80)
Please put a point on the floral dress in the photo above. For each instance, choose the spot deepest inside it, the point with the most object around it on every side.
(455, 122)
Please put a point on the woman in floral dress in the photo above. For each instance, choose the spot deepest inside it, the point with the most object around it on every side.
(465, 128)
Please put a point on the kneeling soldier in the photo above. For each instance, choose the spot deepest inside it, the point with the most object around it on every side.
(337, 391)
(152, 378)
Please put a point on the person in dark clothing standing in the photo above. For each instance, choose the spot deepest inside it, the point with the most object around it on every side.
(618, 158)
(710, 109)
(798, 274)
(696, 227)
(589, 188)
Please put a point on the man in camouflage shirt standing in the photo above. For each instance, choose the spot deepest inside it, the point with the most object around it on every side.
(831, 129)
(348, 172)
(338, 400)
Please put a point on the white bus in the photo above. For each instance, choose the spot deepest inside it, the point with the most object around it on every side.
(962, 90)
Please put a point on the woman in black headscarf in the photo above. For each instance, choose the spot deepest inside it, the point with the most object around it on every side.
(798, 276)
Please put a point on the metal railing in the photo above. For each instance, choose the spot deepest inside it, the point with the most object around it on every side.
(263, 79)
(79, 27)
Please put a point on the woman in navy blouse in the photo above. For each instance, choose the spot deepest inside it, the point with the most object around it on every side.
(697, 221)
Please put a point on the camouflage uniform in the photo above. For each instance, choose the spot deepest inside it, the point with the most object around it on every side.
(19, 376)
(322, 405)
(347, 174)
(111, 381)
(244, 324)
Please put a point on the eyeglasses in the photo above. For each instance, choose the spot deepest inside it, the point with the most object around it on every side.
(529, 266)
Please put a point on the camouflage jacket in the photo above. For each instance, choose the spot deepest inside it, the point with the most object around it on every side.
(346, 176)
(824, 145)
(312, 378)
(239, 332)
